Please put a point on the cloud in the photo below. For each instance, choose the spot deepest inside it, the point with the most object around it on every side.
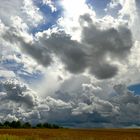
(19, 66)
(17, 92)
(83, 102)
(98, 51)
(32, 12)
(25, 9)
(104, 108)
(71, 89)
(123, 108)
(68, 51)
(6, 74)
(57, 104)
(118, 109)
(18, 101)
(128, 105)
(94, 52)
(51, 4)
(129, 11)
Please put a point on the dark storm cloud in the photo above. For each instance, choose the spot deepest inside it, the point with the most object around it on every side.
(104, 71)
(42, 55)
(16, 92)
(60, 44)
(103, 43)
(69, 51)
(92, 53)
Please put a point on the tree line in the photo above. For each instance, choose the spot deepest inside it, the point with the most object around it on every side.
(19, 124)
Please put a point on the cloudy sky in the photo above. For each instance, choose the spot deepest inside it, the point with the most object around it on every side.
(70, 62)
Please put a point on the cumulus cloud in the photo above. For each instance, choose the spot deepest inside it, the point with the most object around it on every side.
(128, 105)
(95, 50)
(6, 74)
(25, 9)
(68, 51)
(123, 108)
(33, 14)
(129, 11)
(98, 51)
(104, 108)
(87, 100)
(83, 101)
(21, 102)
(16, 92)
(18, 66)
(57, 104)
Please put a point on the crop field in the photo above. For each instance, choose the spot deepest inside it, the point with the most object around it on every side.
(69, 134)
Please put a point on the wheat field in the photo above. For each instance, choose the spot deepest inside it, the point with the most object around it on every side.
(11, 137)
(69, 134)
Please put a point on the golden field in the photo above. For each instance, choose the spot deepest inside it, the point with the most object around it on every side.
(69, 134)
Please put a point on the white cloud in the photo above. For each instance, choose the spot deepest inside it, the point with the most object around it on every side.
(71, 14)
(128, 104)
(71, 9)
(7, 74)
(130, 12)
(57, 104)
(25, 9)
(18, 101)
(51, 4)
(105, 108)
(12, 6)
(17, 92)
(33, 14)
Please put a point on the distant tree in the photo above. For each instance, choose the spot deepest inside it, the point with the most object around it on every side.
(26, 125)
(47, 125)
(55, 126)
(6, 124)
(18, 124)
(15, 124)
(39, 125)
(1, 125)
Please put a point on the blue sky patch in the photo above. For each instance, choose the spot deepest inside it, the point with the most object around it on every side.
(99, 6)
(135, 88)
(49, 16)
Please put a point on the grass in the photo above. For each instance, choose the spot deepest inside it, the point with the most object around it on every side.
(69, 134)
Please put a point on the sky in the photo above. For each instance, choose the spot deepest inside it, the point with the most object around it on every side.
(72, 63)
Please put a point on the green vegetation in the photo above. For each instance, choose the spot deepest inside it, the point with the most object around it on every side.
(18, 124)
(47, 125)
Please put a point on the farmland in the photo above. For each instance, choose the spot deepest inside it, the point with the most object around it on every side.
(69, 134)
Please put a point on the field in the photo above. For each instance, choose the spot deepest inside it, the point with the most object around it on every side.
(69, 134)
